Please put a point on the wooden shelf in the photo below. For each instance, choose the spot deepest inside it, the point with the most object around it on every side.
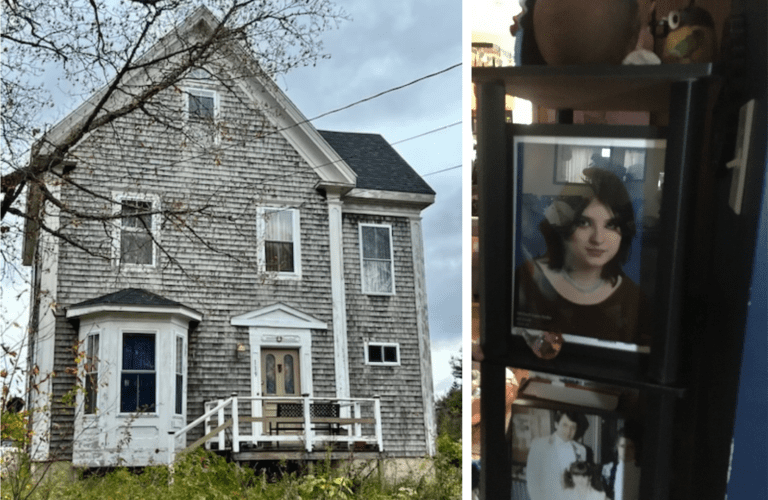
(590, 88)
(614, 367)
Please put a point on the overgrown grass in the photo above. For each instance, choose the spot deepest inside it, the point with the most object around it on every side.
(205, 476)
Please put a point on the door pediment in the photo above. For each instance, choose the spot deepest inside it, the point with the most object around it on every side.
(279, 315)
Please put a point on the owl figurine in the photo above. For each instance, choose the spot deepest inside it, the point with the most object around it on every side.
(690, 36)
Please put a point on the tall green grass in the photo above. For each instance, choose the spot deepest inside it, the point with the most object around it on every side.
(205, 476)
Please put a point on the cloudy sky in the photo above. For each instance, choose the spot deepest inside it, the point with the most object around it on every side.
(386, 45)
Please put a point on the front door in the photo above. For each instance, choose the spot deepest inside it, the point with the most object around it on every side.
(280, 376)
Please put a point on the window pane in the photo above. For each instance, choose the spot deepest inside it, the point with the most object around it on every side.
(130, 208)
(139, 352)
(92, 354)
(390, 354)
(135, 248)
(179, 394)
(179, 374)
(91, 373)
(269, 369)
(146, 392)
(374, 354)
(200, 107)
(278, 225)
(376, 243)
(129, 390)
(285, 258)
(137, 392)
(91, 388)
(289, 383)
(377, 276)
(278, 256)
(179, 355)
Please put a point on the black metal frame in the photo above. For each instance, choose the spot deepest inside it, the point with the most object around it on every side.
(657, 372)
(633, 359)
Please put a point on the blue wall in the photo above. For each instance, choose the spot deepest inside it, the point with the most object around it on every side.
(749, 467)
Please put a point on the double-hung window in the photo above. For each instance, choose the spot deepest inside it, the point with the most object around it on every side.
(280, 241)
(137, 226)
(138, 377)
(91, 373)
(378, 272)
(382, 353)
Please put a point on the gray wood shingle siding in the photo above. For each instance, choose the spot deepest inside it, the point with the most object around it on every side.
(243, 174)
(63, 412)
(386, 319)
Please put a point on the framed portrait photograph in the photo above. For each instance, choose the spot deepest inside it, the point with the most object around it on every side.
(571, 451)
(587, 202)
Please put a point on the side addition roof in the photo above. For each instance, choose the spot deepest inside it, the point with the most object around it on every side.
(377, 165)
(132, 300)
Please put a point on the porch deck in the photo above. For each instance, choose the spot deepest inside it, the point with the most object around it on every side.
(292, 428)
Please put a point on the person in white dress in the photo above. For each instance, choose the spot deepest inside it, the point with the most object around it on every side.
(550, 456)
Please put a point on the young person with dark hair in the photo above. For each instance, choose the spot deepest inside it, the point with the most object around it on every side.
(578, 286)
(581, 482)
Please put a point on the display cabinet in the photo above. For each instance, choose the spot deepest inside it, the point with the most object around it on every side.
(678, 98)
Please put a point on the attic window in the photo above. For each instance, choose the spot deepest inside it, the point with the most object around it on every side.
(199, 74)
(201, 110)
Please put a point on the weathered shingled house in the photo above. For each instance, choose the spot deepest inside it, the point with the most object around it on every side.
(264, 288)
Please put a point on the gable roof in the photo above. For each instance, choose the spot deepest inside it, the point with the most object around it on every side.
(132, 300)
(260, 87)
(377, 165)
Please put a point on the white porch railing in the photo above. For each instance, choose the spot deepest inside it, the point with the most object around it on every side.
(257, 422)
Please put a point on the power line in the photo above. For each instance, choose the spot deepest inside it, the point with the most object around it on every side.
(399, 87)
(384, 92)
(441, 171)
(426, 133)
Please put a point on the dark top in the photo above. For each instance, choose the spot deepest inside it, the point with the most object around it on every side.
(622, 317)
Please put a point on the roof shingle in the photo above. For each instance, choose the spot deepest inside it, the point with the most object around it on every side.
(130, 296)
(377, 165)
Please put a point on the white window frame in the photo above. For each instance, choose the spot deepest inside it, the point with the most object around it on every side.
(261, 231)
(362, 259)
(190, 123)
(88, 373)
(120, 198)
(156, 335)
(382, 345)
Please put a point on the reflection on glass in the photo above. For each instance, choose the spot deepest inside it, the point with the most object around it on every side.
(289, 385)
(270, 372)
